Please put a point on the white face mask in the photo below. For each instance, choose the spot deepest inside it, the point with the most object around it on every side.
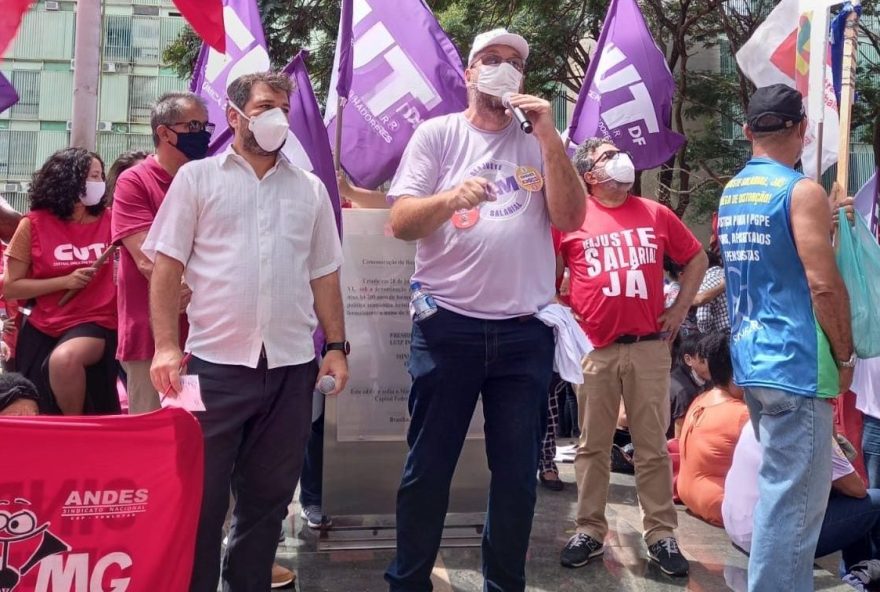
(94, 192)
(498, 80)
(269, 128)
(621, 169)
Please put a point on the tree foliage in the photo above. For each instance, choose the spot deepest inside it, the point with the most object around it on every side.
(710, 98)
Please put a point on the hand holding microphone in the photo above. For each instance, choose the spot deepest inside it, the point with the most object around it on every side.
(518, 114)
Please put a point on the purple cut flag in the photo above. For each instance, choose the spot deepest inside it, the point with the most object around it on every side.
(405, 71)
(8, 96)
(345, 49)
(866, 203)
(308, 146)
(627, 92)
(245, 53)
(838, 29)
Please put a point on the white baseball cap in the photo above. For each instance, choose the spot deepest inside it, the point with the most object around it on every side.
(499, 36)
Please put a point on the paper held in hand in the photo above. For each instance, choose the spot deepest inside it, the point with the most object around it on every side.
(189, 398)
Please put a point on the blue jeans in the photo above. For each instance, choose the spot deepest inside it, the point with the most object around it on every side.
(794, 482)
(871, 449)
(453, 360)
(851, 525)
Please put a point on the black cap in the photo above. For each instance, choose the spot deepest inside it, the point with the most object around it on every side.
(775, 107)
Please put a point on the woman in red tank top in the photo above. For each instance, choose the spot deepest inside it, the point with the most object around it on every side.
(66, 350)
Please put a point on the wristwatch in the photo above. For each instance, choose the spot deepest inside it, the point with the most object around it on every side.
(850, 363)
(343, 346)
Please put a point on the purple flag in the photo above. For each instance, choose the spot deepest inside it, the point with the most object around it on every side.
(866, 204)
(245, 53)
(627, 92)
(405, 71)
(308, 146)
(8, 96)
(345, 51)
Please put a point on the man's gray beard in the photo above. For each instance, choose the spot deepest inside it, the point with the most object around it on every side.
(488, 104)
(249, 142)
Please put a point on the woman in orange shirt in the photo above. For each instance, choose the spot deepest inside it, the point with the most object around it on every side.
(709, 434)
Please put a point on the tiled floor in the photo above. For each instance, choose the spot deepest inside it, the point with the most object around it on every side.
(715, 564)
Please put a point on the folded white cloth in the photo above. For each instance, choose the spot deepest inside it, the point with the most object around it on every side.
(571, 342)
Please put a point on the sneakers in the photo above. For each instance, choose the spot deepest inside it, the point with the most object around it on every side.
(281, 576)
(315, 517)
(862, 574)
(668, 557)
(579, 550)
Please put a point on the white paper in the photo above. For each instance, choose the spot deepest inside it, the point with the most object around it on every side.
(189, 398)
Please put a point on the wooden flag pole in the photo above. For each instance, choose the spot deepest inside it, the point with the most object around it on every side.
(847, 96)
(96, 265)
(337, 153)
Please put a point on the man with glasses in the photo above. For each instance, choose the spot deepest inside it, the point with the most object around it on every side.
(480, 195)
(615, 261)
(181, 133)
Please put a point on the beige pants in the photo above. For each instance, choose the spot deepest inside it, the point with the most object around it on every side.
(142, 397)
(638, 372)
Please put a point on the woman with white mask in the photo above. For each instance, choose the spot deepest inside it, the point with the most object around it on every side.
(66, 350)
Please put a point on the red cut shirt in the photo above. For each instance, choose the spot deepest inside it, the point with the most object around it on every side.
(615, 261)
(139, 192)
(58, 247)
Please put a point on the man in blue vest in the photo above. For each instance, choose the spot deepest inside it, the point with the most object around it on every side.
(791, 341)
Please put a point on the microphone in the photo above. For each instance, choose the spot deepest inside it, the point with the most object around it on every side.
(524, 123)
(326, 385)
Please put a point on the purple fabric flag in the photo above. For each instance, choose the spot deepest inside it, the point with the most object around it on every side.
(627, 92)
(866, 203)
(245, 53)
(8, 96)
(345, 51)
(838, 29)
(405, 71)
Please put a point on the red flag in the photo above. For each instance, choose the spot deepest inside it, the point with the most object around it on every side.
(206, 18)
(13, 12)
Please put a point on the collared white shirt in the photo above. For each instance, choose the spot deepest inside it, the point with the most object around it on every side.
(250, 248)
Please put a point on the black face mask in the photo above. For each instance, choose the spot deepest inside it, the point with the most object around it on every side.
(193, 145)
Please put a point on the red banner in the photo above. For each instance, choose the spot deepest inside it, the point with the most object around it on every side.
(99, 504)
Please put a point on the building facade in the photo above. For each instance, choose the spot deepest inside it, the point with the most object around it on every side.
(40, 66)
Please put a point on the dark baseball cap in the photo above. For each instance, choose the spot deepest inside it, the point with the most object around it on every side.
(775, 107)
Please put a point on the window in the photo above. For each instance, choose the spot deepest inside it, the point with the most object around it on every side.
(27, 84)
(141, 96)
(145, 40)
(18, 151)
(117, 38)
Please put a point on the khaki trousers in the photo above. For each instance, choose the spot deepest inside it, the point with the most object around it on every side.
(638, 372)
(142, 396)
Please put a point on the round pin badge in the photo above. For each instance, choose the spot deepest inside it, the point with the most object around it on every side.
(463, 219)
(529, 178)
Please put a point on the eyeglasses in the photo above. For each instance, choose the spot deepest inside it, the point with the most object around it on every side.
(495, 60)
(195, 126)
(606, 156)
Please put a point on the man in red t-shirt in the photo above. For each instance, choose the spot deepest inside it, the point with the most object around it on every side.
(181, 133)
(615, 262)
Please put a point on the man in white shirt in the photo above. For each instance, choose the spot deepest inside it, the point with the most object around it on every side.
(256, 240)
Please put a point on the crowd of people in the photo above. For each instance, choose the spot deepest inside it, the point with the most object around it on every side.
(720, 363)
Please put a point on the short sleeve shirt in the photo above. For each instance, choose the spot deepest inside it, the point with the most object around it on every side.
(713, 315)
(139, 192)
(503, 266)
(616, 265)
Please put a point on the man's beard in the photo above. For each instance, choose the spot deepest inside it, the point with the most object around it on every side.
(249, 143)
(490, 105)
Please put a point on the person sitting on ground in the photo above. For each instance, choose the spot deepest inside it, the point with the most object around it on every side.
(18, 395)
(66, 350)
(852, 519)
(709, 434)
(689, 377)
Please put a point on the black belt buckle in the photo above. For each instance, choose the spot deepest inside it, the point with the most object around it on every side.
(628, 339)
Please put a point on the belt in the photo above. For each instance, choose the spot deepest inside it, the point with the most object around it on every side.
(626, 339)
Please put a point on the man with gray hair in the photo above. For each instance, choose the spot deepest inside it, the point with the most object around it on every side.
(181, 132)
(615, 262)
(256, 237)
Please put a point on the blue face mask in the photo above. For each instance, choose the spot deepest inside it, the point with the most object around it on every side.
(193, 145)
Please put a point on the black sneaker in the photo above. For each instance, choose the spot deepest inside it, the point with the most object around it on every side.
(668, 557)
(579, 550)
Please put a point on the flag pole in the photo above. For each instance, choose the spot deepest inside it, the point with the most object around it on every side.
(847, 95)
(337, 151)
